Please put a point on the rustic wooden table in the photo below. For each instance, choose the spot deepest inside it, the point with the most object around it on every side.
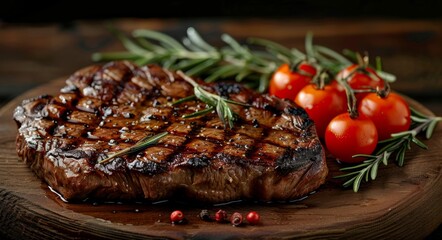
(31, 55)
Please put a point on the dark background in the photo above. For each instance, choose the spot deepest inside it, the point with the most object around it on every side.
(50, 11)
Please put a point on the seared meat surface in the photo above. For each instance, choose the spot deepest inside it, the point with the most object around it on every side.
(272, 153)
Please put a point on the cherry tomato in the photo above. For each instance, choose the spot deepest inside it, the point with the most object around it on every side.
(390, 114)
(322, 105)
(345, 137)
(253, 218)
(286, 83)
(363, 78)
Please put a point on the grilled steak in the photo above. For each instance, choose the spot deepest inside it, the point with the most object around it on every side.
(271, 153)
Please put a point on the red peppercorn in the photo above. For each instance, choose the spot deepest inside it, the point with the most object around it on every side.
(176, 216)
(236, 219)
(253, 218)
(221, 216)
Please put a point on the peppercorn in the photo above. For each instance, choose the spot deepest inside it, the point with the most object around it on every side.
(253, 218)
(177, 217)
(205, 216)
(236, 219)
(221, 216)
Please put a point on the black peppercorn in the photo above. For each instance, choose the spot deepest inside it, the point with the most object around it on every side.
(205, 216)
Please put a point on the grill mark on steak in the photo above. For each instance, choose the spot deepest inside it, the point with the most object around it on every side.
(272, 153)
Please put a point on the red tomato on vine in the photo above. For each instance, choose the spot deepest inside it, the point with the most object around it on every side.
(286, 82)
(346, 136)
(390, 114)
(361, 78)
(322, 105)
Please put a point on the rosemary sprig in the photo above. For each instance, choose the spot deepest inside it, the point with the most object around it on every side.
(140, 145)
(196, 57)
(241, 62)
(395, 146)
(214, 102)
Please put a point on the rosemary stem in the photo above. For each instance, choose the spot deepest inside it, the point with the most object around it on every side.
(213, 101)
(425, 124)
(139, 146)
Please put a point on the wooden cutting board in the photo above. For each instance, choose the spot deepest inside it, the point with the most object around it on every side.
(403, 203)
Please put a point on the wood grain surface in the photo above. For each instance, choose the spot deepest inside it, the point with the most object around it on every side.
(403, 203)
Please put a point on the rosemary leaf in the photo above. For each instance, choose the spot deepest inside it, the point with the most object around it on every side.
(202, 67)
(187, 64)
(431, 126)
(235, 45)
(141, 61)
(309, 49)
(236, 103)
(325, 61)
(350, 54)
(385, 157)
(367, 174)
(190, 45)
(144, 43)
(364, 155)
(279, 51)
(395, 136)
(131, 45)
(170, 62)
(374, 170)
(386, 76)
(378, 61)
(271, 45)
(219, 72)
(357, 181)
(341, 59)
(418, 119)
(185, 99)
(408, 142)
(263, 83)
(400, 156)
(362, 165)
(165, 40)
(202, 95)
(416, 113)
(385, 148)
(419, 143)
(199, 113)
(221, 112)
(297, 54)
(351, 180)
(230, 116)
(346, 175)
(197, 40)
(242, 74)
